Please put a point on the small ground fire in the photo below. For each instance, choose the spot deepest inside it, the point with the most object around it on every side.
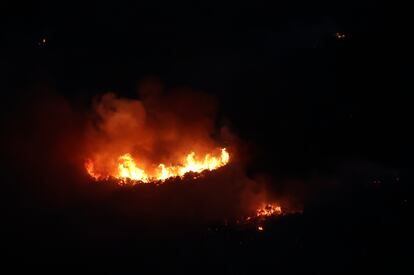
(266, 210)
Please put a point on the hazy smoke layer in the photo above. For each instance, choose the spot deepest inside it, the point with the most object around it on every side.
(51, 140)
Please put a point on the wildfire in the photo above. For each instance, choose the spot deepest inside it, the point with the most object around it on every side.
(265, 211)
(268, 210)
(127, 168)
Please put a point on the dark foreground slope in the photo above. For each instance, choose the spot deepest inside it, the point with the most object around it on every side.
(352, 232)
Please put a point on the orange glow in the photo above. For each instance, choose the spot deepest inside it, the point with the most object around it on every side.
(260, 228)
(268, 210)
(265, 211)
(128, 168)
(90, 168)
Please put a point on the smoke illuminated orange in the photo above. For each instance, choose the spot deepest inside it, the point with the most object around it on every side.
(127, 168)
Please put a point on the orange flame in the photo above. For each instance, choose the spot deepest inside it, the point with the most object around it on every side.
(127, 168)
(266, 210)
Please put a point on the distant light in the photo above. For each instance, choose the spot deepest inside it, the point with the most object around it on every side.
(340, 36)
(42, 41)
(260, 228)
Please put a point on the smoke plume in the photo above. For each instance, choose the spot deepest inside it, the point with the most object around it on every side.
(155, 127)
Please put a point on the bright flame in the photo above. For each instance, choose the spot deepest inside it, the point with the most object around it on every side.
(127, 168)
(268, 210)
(265, 211)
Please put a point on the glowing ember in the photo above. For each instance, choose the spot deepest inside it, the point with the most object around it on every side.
(260, 228)
(127, 168)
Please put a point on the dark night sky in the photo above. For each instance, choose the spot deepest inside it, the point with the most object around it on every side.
(308, 102)
(277, 68)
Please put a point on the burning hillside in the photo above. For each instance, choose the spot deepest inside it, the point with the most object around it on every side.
(163, 137)
(153, 139)
(156, 157)
(126, 168)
